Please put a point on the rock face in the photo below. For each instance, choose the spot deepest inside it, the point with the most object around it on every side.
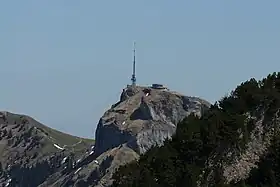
(235, 164)
(142, 118)
(31, 152)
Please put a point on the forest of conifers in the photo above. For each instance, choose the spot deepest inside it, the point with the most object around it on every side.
(224, 127)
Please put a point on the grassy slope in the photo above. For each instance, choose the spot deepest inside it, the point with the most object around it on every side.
(69, 142)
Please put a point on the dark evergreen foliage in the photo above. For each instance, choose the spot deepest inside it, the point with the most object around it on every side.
(181, 160)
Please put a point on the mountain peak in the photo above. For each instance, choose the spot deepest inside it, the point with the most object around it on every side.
(144, 116)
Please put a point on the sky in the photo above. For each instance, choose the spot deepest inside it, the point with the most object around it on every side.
(66, 62)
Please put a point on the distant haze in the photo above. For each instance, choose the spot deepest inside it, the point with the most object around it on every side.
(66, 62)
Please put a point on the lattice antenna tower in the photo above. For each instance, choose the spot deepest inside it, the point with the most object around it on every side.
(133, 78)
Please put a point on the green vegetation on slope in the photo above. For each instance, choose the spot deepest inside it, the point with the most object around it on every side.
(23, 126)
(181, 161)
(77, 144)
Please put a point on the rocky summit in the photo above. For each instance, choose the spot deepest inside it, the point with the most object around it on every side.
(142, 118)
(35, 155)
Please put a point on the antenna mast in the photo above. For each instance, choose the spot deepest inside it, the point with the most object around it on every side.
(133, 78)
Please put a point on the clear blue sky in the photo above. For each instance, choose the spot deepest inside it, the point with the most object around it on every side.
(65, 62)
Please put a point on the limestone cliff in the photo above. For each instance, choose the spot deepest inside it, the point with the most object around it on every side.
(143, 117)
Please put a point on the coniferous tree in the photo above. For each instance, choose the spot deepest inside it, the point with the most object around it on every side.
(226, 125)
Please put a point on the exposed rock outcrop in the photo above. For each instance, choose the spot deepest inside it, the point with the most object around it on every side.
(31, 152)
(236, 165)
(143, 117)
